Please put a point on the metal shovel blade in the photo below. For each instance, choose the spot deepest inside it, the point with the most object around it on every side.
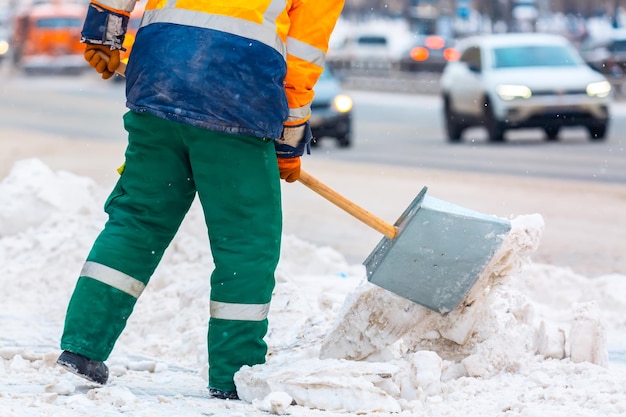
(438, 254)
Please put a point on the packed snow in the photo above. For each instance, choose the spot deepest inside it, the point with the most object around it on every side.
(529, 339)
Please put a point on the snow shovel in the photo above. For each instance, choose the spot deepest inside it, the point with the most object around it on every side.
(433, 254)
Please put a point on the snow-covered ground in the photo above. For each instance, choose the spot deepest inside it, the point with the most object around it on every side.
(537, 340)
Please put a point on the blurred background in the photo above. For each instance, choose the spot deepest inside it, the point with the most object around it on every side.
(410, 37)
(372, 36)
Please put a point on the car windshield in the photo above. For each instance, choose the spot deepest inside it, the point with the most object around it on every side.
(534, 56)
(372, 40)
(59, 22)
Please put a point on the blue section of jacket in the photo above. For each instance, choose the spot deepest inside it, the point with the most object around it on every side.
(208, 79)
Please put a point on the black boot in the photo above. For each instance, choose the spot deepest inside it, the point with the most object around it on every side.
(94, 371)
(223, 395)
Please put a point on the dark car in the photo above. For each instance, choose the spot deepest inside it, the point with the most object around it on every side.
(331, 111)
(4, 44)
(5, 36)
(428, 53)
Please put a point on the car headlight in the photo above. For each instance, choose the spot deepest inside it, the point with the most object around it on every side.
(342, 103)
(511, 92)
(4, 47)
(599, 89)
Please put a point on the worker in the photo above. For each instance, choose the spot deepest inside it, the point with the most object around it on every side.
(219, 96)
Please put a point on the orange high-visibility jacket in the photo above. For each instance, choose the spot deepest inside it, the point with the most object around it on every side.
(239, 66)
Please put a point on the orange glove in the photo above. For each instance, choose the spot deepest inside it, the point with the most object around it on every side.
(289, 168)
(102, 65)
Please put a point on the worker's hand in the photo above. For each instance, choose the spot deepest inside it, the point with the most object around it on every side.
(289, 149)
(101, 64)
(293, 141)
(289, 168)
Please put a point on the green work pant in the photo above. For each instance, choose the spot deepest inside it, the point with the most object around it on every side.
(237, 180)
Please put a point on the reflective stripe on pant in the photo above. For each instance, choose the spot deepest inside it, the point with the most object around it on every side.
(237, 180)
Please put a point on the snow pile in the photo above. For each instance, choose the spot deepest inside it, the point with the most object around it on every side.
(31, 193)
(529, 339)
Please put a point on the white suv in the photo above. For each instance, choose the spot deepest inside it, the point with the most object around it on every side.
(524, 80)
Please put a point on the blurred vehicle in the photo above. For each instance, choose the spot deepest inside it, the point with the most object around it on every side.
(5, 45)
(606, 54)
(529, 80)
(47, 37)
(5, 34)
(331, 111)
(362, 51)
(428, 53)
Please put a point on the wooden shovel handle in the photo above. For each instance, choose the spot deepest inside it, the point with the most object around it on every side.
(328, 193)
(121, 70)
(348, 206)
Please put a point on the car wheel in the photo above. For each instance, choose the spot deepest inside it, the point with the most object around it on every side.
(552, 132)
(495, 129)
(454, 129)
(344, 141)
(597, 132)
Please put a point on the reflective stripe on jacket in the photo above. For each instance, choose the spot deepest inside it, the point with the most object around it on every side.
(239, 66)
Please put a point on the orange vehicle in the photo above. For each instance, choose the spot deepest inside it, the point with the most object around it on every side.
(47, 37)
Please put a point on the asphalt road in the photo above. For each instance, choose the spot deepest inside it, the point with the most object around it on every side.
(402, 130)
